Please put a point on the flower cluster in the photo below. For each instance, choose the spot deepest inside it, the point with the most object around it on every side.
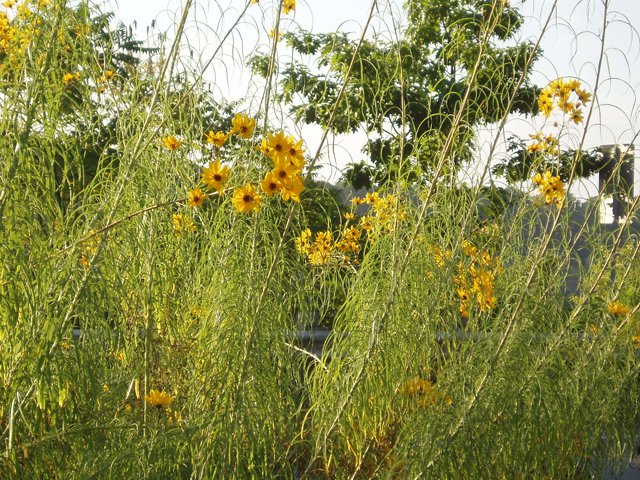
(551, 187)
(618, 309)
(182, 223)
(424, 391)
(544, 145)
(477, 281)
(106, 78)
(70, 78)
(89, 247)
(386, 212)
(320, 251)
(284, 151)
(557, 95)
(288, 160)
(16, 35)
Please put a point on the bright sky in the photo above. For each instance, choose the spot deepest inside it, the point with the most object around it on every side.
(571, 47)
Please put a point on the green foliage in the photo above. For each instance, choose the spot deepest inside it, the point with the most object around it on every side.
(474, 332)
(521, 164)
(406, 94)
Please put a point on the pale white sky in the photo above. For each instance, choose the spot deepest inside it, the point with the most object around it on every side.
(571, 48)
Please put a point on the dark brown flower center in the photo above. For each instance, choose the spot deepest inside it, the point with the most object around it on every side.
(282, 174)
(273, 186)
(217, 178)
(278, 148)
(247, 198)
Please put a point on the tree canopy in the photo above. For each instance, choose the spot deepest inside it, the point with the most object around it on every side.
(406, 93)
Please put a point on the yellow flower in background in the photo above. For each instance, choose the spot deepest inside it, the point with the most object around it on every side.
(271, 34)
(246, 200)
(288, 5)
(195, 197)
(214, 175)
(182, 223)
(618, 308)
(158, 398)
(68, 78)
(243, 125)
(469, 249)
(216, 138)
(426, 392)
(440, 256)
(303, 242)
(371, 198)
(551, 187)
(171, 142)
(279, 146)
(109, 74)
(270, 185)
(349, 216)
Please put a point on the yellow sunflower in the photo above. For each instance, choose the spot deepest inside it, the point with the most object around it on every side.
(295, 153)
(618, 308)
(285, 173)
(279, 146)
(171, 142)
(214, 175)
(243, 125)
(246, 200)
(288, 5)
(158, 398)
(216, 138)
(293, 189)
(195, 197)
(270, 184)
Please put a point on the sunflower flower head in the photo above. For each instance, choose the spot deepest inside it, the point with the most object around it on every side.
(195, 197)
(270, 185)
(285, 173)
(618, 308)
(216, 138)
(279, 146)
(293, 189)
(158, 398)
(171, 142)
(215, 175)
(296, 153)
(288, 5)
(243, 125)
(246, 200)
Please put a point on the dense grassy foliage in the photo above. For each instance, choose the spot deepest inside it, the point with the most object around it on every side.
(150, 307)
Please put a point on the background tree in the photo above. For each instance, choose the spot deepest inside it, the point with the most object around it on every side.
(418, 80)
